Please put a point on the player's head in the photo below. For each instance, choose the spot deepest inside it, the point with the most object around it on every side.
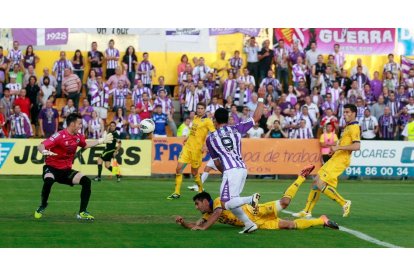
(202, 202)
(74, 122)
(201, 109)
(350, 112)
(221, 116)
(112, 126)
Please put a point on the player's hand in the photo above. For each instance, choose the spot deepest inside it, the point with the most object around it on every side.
(197, 227)
(107, 138)
(179, 220)
(334, 148)
(48, 153)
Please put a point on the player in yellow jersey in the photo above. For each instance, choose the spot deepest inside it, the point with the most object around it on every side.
(265, 218)
(327, 179)
(192, 152)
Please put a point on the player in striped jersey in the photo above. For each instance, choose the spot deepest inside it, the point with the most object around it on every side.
(112, 57)
(224, 146)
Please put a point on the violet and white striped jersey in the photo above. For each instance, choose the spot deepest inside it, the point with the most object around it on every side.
(134, 119)
(225, 144)
(147, 67)
(213, 107)
(20, 124)
(95, 128)
(15, 56)
(229, 88)
(119, 96)
(236, 63)
(137, 94)
(59, 68)
(14, 89)
(165, 103)
(339, 59)
(249, 79)
(100, 97)
(111, 64)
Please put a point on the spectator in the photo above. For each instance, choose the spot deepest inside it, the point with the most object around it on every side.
(48, 120)
(30, 58)
(387, 125)
(92, 84)
(46, 90)
(146, 70)
(369, 126)
(376, 85)
(111, 57)
(134, 124)
(229, 104)
(95, 126)
(295, 54)
(334, 67)
(370, 98)
(245, 115)
(410, 105)
(291, 123)
(251, 49)
(59, 68)
(191, 100)
(52, 79)
(275, 131)
(252, 104)
(256, 132)
(66, 110)
(344, 81)
(18, 72)
(221, 67)
(301, 91)
(130, 63)
(213, 106)
(23, 102)
(161, 86)
(144, 108)
(275, 116)
(281, 59)
(33, 93)
(20, 124)
(386, 94)
(229, 86)
(184, 128)
(271, 80)
(402, 121)
(377, 109)
(15, 55)
(318, 69)
(118, 77)
(183, 76)
(71, 86)
(211, 85)
(393, 67)
(246, 77)
(201, 70)
(236, 63)
(234, 114)
(393, 104)
(312, 109)
(95, 59)
(6, 103)
(402, 96)
(328, 104)
(335, 90)
(161, 120)
(119, 96)
(99, 94)
(308, 119)
(183, 64)
(167, 108)
(121, 122)
(304, 131)
(409, 82)
(3, 122)
(78, 65)
(354, 92)
(390, 82)
(299, 71)
(203, 92)
(339, 56)
(365, 70)
(29, 73)
(265, 57)
(285, 105)
(139, 90)
(241, 97)
(311, 58)
(327, 139)
(325, 81)
(86, 111)
(360, 108)
(329, 118)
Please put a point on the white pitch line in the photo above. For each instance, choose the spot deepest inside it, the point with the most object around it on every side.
(360, 235)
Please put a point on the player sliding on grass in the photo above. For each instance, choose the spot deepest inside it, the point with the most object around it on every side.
(326, 180)
(60, 150)
(266, 217)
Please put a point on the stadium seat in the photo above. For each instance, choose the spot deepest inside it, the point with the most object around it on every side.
(60, 103)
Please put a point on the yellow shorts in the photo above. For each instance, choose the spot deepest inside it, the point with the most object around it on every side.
(332, 169)
(266, 217)
(191, 156)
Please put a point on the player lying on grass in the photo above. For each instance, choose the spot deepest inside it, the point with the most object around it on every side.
(266, 217)
(60, 150)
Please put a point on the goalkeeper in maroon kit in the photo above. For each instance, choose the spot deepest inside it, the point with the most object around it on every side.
(60, 150)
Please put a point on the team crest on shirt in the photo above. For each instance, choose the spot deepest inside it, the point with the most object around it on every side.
(77, 141)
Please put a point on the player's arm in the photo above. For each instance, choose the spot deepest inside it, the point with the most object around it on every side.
(189, 225)
(260, 105)
(45, 147)
(210, 221)
(107, 138)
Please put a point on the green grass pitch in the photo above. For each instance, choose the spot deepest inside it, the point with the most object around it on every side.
(136, 214)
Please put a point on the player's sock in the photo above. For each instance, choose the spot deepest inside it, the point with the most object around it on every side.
(197, 180)
(236, 202)
(204, 177)
(306, 223)
(313, 198)
(333, 194)
(85, 182)
(178, 182)
(99, 170)
(110, 168)
(293, 188)
(241, 215)
(47, 186)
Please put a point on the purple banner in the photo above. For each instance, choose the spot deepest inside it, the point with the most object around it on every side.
(41, 37)
(224, 31)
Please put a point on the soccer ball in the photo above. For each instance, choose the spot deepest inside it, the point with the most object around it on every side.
(147, 125)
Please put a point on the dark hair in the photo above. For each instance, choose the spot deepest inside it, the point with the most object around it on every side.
(1, 47)
(352, 107)
(201, 104)
(112, 122)
(133, 55)
(184, 56)
(145, 53)
(80, 56)
(27, 50)
(221, 115)
(111, 40)
(33, 77)
(72, 117)
(201, 196)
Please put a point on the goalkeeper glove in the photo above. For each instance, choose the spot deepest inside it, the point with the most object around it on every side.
(46, 152)
(107, 138)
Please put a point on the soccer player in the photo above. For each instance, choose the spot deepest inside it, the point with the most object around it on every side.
(110, 152)
(265, 218)
(207, 169)
(60, 150)
(192, 151)
(224, 146)
(326, 180)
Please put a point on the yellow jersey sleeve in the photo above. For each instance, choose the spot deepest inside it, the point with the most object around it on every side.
(355, 133)
(216, 205)
(321, 139)
(336, 138)
(210, 125)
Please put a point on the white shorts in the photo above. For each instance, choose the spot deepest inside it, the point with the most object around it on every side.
(102, 112)
(211, 164)
(232, 184)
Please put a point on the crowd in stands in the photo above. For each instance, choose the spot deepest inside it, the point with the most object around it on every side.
(306, 92)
